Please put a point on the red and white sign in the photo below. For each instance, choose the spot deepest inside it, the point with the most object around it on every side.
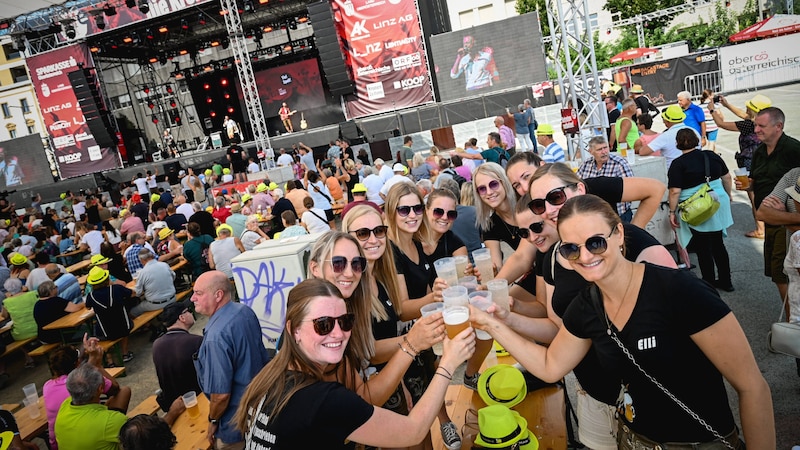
(75, 149)
(384, 49)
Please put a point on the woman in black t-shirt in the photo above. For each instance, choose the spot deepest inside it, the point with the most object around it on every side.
(685, 179)
(366, 224)
(291, 403)
(441, 242)
(646, 323)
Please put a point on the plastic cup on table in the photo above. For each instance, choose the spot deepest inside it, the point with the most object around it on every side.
(190, 401)
(446, 270)
(427, 310)
(499, 289)
(470, 282)
(32, 406)
(481, 300)
(30, 391)
(483, 262)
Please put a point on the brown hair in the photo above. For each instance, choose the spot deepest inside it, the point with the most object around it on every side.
(558, 170)
(686, 139)
(289, 217)
(585, 205)
(397, 192)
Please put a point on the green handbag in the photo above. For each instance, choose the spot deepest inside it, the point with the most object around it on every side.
(703, 204)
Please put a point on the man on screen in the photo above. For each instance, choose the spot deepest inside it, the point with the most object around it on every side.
(10, 172)
(477, 65)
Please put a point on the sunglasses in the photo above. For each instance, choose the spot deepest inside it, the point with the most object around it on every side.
(493, 185)
(404, 211)
(595, 244)
(324, 325)
(363, 233)
(555, 197)
(438, 213)
(536, 227)
(339, 263)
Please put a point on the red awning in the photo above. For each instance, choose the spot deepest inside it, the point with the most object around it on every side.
(632, 54)
(773, 26)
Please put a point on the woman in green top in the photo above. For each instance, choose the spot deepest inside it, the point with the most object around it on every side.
(18, 306)
(625, 129)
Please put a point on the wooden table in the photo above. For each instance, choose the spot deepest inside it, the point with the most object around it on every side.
(544, 409)
(192, 434)
(175, 267)
(71, 320)
(66, 255)
(80, 265)
(30, 428)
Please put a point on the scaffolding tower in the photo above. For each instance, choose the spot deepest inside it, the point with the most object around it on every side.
(241, 58)
(571, 37)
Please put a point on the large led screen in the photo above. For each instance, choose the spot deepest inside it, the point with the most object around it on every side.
(298, 84)
(23, 163)
(488, 58)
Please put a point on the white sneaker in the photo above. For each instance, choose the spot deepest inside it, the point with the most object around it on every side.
(450, 436)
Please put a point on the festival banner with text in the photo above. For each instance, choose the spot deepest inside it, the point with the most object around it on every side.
(383, 45)
(76, 151)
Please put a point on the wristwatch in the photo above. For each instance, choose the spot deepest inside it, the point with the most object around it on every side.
(213, 421)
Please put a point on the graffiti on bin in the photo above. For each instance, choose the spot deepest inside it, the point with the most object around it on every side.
(265, 291)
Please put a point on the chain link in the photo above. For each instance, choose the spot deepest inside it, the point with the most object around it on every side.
(668, 393)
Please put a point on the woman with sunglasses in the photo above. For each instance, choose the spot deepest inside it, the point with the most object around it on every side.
(408, 227)
(366, 224)
(495, 209)
(686, 178)
(550, 187)
(646, 325)
(441, 213)
(292, 404)
(338, 258)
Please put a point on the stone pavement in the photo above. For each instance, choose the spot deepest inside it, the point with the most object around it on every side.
(755, 302)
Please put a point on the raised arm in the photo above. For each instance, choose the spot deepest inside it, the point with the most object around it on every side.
(648, 192)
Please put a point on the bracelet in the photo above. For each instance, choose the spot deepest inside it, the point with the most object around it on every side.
(409, 345)
(448, 372)
(672, 211)
(406, 351)
(444, 376)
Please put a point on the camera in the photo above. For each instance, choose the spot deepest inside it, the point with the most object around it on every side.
(717, 98)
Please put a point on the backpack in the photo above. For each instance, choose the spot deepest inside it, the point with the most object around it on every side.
(503, 159)
(456, 177)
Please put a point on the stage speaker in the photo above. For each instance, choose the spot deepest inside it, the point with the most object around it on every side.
(98, 119)
(337, 74)
(349, 130)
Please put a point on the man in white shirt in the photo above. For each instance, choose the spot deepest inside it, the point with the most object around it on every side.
(398, 177)
(253, 166)
(673, 118)
(142, 186)
(285, 159)
(91, 239)
(374, 183)
(384, 171)
(183, 207)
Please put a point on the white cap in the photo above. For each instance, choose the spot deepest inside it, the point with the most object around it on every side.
(160, 224)
(397, 167)
(181, 173)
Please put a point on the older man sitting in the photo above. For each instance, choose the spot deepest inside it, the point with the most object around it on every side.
(154, 285)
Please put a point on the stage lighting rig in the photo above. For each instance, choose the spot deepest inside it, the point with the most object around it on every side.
(109, 10)
(130, 3)
(100, 21)
(144, 6)
(69, 28)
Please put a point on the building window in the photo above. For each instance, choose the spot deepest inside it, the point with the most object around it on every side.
(23, 104)
(486, 14)
(31, 129)
(466, 18)
(593, 22)
(19, 74)
(13, 134)
(6, 110)
(121, 101)
(9, 52)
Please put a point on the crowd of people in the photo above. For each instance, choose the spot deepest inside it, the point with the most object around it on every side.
(590, 291)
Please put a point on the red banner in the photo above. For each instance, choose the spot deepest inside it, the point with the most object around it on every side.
(75, 149)
(383, 44)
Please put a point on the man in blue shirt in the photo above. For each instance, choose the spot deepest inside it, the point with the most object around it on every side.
(231, 354)
(695, 117)
(553, 152)
(494, 154)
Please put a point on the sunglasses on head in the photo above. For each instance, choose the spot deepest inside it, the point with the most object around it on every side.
(595, 244)
(536, 227)
(362, 234)
(339, 263)
(493, 185)
(404, 211)
(555, 197)
(324, 325)
(438, 213)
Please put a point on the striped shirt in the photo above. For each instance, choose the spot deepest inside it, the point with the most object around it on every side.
(553, 153)
(616, 166)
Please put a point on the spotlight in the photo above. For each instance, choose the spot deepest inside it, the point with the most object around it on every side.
(151, 105)
(303, 19)
(263, 2)
(149, 33)
(248, 6)
(209, 100)
(172, 103)
(169, 88)
(163, 29)
(268, 29)
(130, 3)
(212, 113)
(69, 29)
(225, 43)
(223, 81)
(214, 43)
(154, 119)
(207, 86)
(184, 25)
(94, 49)
(127, 39)
(287, 48)
(146, 90)
(226, 95)
(230, 110)
(153, 60)
(144, 7)
(201, 19)
(292, 25)
(183, 52)
(100, 22)
(109, 10)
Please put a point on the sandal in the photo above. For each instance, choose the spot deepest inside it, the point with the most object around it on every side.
(754, 234)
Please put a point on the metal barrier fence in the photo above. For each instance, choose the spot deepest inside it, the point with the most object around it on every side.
(699, 82)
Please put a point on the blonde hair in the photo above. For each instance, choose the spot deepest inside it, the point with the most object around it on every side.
(397, 192)
(417, 160)
(362, 343)
(467, 194)
(483, 212)
(384, 269)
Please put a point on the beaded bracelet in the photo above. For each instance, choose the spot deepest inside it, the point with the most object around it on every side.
(406, 351)
(411, 347)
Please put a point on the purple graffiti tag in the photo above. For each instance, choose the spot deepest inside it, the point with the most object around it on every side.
(265, 292)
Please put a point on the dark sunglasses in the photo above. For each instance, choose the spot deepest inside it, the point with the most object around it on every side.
(439, 212)
(555, 197)
(363, 233)
(404, 211)
(339, 263)
(493, 185)
(324, 325)
(536, 227)
(595, 244)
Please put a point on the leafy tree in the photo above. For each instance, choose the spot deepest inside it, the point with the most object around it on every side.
(526, 6)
